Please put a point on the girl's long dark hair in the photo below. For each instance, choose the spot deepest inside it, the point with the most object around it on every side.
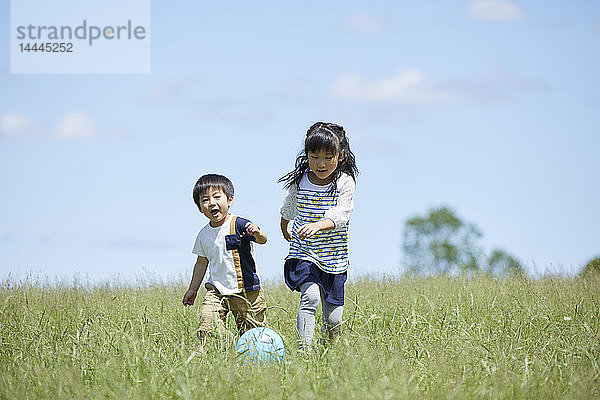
(323, 136)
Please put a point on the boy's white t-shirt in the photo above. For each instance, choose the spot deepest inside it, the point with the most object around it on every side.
(210, 243)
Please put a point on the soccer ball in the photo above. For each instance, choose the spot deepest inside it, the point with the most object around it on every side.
(260, 345)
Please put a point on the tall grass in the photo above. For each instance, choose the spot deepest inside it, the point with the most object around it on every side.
(436, 337)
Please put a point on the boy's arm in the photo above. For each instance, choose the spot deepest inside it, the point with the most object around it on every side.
(197, 277)
(259, 235)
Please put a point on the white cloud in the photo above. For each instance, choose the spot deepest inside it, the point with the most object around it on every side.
(14, 124)
(76, 125)
(497, 86)
(365, 23)
(411, 87)
(231, 112)
(171, 92)
(162, 94)
(494, 10)
(408, 86)
(183, 94)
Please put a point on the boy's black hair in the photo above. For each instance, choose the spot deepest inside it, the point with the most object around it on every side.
(329, 137)
(208, 181)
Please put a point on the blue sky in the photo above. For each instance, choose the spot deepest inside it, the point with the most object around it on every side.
(487, 106)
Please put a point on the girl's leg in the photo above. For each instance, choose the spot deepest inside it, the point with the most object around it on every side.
(309, 301)
(332, 319)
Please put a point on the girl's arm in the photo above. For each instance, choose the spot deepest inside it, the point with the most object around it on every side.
(340, 214)
(337, 216)
(197, 277)
(289, 210)
(286, 230)
(307, 230)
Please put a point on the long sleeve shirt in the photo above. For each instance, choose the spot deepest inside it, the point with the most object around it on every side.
(309, 203)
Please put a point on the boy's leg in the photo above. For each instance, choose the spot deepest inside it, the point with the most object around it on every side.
(332, 319)
(248, 308)
(212, 315)
(309, 301)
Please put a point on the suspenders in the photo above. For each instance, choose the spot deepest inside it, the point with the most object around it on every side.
(236, 255)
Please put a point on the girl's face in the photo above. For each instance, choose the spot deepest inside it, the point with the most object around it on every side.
(322, 163)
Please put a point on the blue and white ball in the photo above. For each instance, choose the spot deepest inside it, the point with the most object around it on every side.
(261, 346)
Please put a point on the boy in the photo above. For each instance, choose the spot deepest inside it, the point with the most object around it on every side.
(225, 246)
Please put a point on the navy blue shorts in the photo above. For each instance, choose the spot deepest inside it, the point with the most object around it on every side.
(297, 272)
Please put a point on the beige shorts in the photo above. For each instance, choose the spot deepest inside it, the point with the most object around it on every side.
(248, 308)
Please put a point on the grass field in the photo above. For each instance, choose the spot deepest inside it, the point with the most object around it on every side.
(410, 337)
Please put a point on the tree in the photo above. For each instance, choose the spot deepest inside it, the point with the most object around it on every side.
(501, 263)
(440, 242)
(592, 267)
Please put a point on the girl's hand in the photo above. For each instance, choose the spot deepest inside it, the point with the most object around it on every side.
(308, 230)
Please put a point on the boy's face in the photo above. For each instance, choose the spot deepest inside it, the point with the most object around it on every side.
(215, 205)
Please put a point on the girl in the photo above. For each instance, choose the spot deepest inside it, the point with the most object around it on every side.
(319, 201)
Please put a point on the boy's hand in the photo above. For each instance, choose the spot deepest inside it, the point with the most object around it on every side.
(252, 229)
(259, 235)
(189, 297)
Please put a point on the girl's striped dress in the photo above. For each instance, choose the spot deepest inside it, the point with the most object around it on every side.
(308, 203)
